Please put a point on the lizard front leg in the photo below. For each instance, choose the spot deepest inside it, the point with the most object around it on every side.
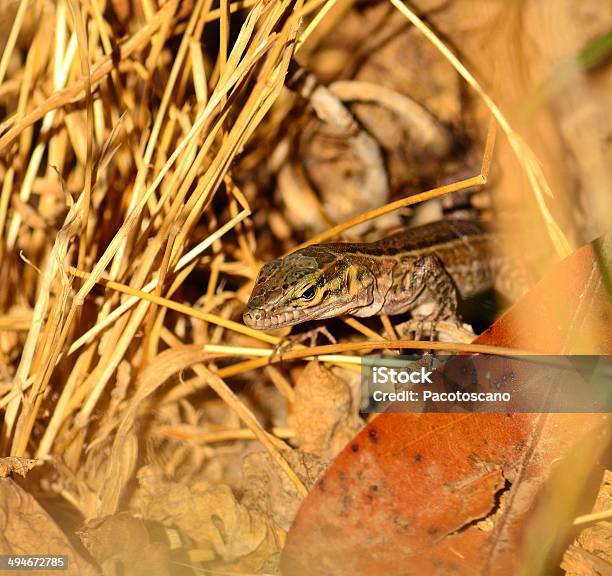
(428, 277)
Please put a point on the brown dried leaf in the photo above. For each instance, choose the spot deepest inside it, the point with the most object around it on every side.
(26, 528)
(341, 160)
(17, 465)
(222, 528)
(264, 489)
(414, 490)
(592, 548)
(580, 562)
(415, 142)
(323, 414)
(122, 542)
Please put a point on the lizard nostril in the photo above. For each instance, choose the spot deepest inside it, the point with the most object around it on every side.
(257, 315)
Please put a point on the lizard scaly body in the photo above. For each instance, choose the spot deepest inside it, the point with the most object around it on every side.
(434, 262)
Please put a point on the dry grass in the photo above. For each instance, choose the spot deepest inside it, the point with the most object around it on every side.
(140, 205)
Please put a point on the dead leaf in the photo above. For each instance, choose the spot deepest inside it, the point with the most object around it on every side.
(591, 553)
(272, 493)
(26, 528)
(411, 490)
(323, 413)
(580, 562)
(121, 544)
(223, 529)
(17, 465)
(567, 312)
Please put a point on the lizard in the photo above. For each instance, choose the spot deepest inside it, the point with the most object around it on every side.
(440, 262)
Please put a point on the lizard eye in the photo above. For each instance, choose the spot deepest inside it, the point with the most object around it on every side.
(309, 293)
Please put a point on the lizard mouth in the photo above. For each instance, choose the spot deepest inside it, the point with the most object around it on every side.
(262, 320)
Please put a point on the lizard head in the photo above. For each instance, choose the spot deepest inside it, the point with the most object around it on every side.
(308, 284)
